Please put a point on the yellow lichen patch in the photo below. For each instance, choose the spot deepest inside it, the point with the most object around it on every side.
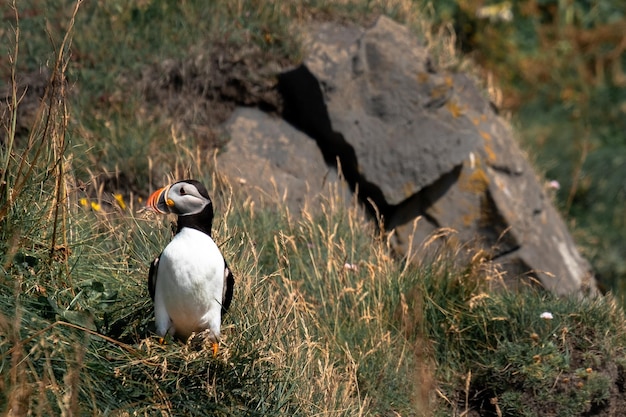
(449, 81)
(473, 181)
(491, 155)
(470, 218)
(476, 121)
(454, 108)
(476, 181)
(422, 77)
(439, 91)
(408, 188)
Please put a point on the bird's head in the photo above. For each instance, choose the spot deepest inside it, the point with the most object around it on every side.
(184, 198)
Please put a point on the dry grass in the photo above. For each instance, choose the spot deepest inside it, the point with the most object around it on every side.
(307, 334)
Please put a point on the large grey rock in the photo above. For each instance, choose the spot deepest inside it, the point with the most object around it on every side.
(429, 144)
(415, 143)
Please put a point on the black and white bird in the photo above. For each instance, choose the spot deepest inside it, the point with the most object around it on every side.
(190, 282)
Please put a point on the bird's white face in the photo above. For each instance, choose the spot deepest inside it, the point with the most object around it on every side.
(182, 198)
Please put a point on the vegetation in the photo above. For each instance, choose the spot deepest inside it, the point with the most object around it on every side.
(325, 321)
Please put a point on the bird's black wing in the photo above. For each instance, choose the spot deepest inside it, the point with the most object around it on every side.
(152, 276)
(229, 284)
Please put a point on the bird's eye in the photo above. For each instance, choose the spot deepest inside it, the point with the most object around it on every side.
(182, 191)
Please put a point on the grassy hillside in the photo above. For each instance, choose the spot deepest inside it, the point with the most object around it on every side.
(325, 320)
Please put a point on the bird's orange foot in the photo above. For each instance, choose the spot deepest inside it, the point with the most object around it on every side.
(215, 346)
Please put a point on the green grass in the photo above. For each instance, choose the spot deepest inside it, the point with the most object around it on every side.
(513, 358)
(306, 335)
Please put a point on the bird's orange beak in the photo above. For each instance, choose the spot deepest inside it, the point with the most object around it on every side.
(158, 201)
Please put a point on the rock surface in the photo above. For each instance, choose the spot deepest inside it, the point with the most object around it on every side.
(282, 165)
(413, 142)
(395, 112)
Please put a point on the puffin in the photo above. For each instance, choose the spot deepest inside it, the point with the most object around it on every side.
(190, 282)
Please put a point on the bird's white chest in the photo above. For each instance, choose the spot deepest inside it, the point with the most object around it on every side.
(191, 277)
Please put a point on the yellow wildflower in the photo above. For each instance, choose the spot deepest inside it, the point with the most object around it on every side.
(120, 200)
